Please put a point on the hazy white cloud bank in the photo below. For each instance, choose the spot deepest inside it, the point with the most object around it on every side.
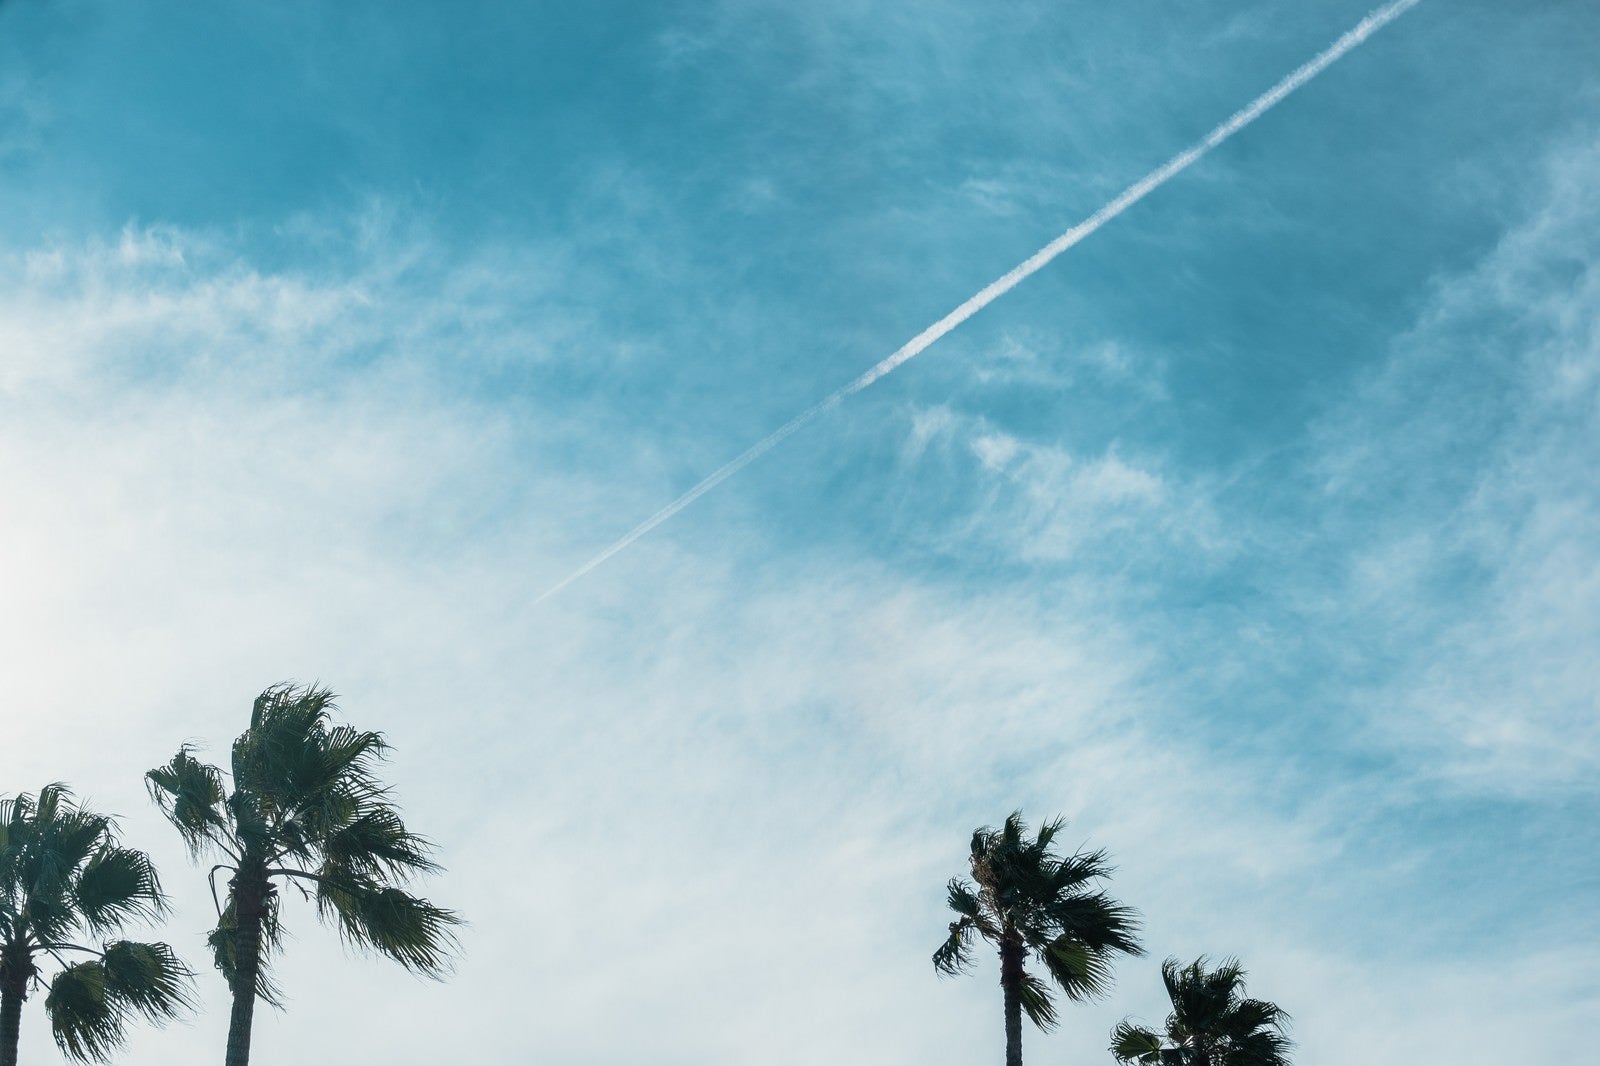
(1464, 474)
(699, 809)
(154, 301)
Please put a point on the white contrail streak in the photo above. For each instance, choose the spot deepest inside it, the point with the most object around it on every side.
(1011, 278)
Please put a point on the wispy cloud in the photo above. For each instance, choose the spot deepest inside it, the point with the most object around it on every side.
(743, 767)
(1040, 503)
(1467, 460)
(1007, 281)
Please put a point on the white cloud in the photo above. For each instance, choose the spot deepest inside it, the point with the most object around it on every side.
(698, 810)
(1042, 503)
(995, 450)
(1471, 459)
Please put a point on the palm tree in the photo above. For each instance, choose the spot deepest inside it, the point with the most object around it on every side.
(304, 808)
(1029, 902)
(1212, 1023)
(65, 878)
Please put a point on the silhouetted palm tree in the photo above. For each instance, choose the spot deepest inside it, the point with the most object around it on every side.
(305, 809)
(1030, 903)
(64, 878)
(1212, 1023)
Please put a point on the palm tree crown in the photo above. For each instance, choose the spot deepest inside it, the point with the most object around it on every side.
(304, 808)
(1031, 903)
(64, 878)
(1212, 1023)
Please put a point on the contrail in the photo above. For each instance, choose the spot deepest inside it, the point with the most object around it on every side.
(991, 292)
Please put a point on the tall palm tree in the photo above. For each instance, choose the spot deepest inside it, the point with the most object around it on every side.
(1031, 903)
(304, 808)
(1212, 1023)
(65, 878)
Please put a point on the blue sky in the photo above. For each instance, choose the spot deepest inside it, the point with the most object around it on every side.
(1258, 535)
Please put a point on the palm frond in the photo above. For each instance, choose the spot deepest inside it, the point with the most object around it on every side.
(14, 814)
(1219, 989)
(148, 978)
(350, 756)
(1172, 975)
(15, 833)
(85, 1023)
(1037, 1003)
(961, 899)
(1264, 1048)
(955, 954)
(249, 821)
(293, 758)
(269, 758)
(1079, 869)
(117, 884)
(13, 829)
(408, 929)
(304, 776)
(223, 940)
(1013, 830)
(376, 843)
(190, 794)
(1135, 1044)
(1081, 971)
(51, 799)
(1095, 919)
(1252, 1014)
(1201, 998)
(63, 838)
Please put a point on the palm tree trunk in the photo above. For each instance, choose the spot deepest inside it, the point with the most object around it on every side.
(250, 907)
(16, 969)
(12, 992)
(1011, 955)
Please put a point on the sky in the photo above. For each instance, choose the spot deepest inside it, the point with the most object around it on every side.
(1258, 535)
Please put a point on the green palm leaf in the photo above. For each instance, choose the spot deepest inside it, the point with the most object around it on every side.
(1037, 1003)
(115, 886)
(403, 927)
(223, 940)
(1132, 1043)
(190, 794)
(83, 1022)
(147, 978)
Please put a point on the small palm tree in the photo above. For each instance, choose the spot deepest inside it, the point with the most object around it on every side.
(1212, 1023)
(305, 809)
(64, 878)
(1029, 902)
